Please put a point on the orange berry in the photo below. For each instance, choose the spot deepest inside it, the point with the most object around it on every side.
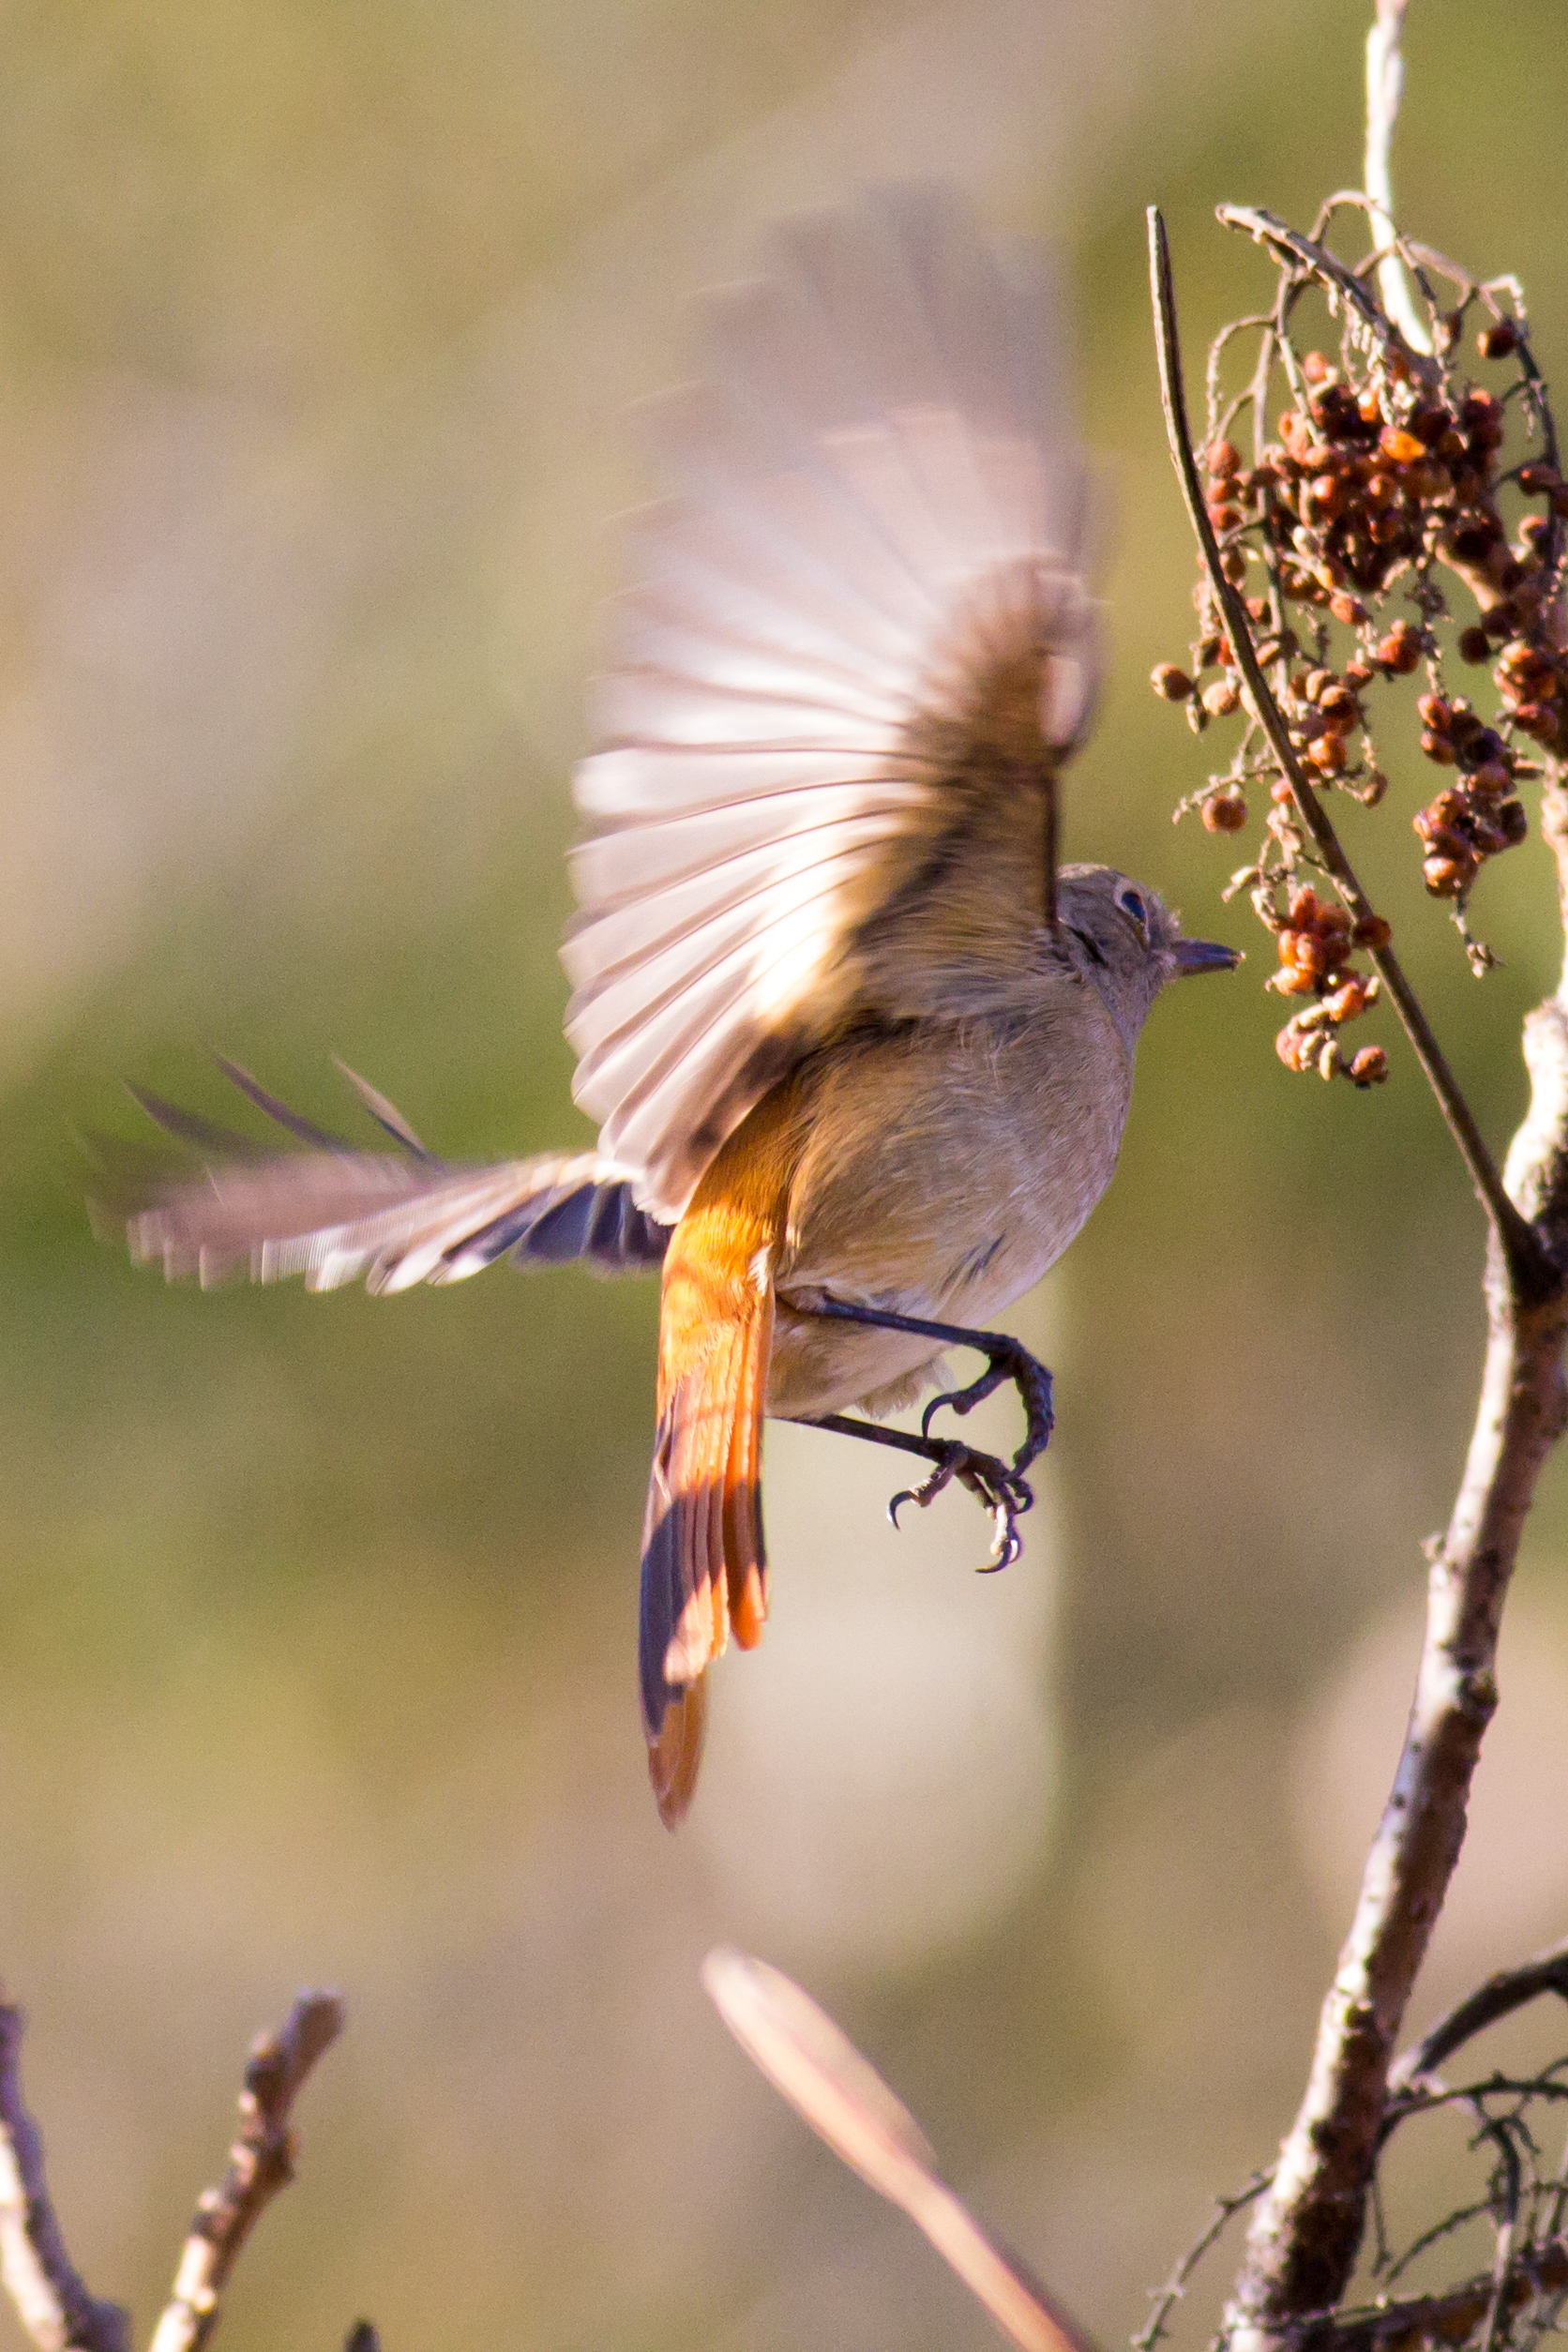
(1446, 877)
(1370, 1066)
(1224, 812)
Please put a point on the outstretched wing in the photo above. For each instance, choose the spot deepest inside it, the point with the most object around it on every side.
(826, 750)
(333, 1213)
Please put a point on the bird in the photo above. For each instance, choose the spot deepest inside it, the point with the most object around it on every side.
(859, 1049)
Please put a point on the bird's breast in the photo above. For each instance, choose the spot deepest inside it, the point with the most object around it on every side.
(947, 1165)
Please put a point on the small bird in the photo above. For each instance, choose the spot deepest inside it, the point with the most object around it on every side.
(860, 1051)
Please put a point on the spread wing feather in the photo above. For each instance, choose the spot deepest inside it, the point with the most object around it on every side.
(865, 583)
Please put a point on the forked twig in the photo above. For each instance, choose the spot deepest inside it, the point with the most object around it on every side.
(261, 2162)
(1439, 2319)
(824, 2078)
(1511, 1989)
(50, 2299)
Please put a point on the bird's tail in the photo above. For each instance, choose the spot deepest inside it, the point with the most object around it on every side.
(333, 1213)
(704, 1570)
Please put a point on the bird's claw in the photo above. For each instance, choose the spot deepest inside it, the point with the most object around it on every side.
(1001, 1488)
(1006, 1358)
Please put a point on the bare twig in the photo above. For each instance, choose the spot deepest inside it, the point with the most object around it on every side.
(1530, 1268)
(1436, 2319)
(1385, 87)
(1496, 1999)
(1342, 285)
(823, 2076)
(1170, 2294)
(259, 2163)
(51, 2302)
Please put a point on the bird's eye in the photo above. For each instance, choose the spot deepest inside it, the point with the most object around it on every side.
(1136, 906)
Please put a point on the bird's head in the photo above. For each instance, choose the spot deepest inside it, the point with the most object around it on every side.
(1130, 943)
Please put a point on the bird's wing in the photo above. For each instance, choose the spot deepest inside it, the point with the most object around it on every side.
(825, 746)
(333, 1213)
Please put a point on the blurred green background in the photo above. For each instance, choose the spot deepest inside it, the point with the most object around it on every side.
(316, 327)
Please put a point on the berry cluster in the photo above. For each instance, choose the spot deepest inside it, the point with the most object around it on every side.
(1388, 482)
(1317, 944)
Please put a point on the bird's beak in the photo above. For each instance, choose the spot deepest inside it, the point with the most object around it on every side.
(1204, 954)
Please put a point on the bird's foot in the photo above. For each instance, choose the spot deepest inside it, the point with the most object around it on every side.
(1002, 1491)
(1006, 1360)
(1000, 1486)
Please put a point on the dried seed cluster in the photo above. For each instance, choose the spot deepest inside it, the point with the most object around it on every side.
(1386, 489)
(1317, 944)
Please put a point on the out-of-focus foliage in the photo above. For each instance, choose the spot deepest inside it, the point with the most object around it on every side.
(315, 328)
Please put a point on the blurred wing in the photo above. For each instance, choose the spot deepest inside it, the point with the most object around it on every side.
(837, 702)
(334, 1215)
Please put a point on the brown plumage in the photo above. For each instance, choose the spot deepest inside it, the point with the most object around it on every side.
(858, 1048)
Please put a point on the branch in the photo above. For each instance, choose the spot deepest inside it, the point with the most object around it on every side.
(1303, 2241)
(1385, 88)
(1496, 1999)
(825, 2079)
(1304, 2237)
(1439, 2319)
(51, 2302)
(259, 2163)
(1530, 1268)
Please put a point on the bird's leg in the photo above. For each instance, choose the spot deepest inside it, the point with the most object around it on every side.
(1006, 1358)
(1001, 1488)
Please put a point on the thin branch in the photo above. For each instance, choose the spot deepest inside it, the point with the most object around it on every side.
(51, 2302)
(261, 2162)
(1310, 259)
(1450, 2318)
(825, 2079)
(1385, 87)
(1529, 1268)
(1175, 2288)
(1496, 1999)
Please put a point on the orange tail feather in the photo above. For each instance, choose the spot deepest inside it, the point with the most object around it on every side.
(705, 1571)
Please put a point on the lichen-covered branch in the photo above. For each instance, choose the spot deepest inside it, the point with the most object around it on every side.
(261, 2162)
(1305, 2239)
(51, 2300)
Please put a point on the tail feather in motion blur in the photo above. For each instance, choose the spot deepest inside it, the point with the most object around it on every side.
(860, 1050)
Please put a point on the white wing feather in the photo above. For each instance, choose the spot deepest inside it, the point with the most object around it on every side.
(878, 449)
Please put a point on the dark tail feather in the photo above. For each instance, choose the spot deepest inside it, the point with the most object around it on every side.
(334, 1215)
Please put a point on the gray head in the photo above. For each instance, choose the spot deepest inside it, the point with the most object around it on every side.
(1127, 941)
